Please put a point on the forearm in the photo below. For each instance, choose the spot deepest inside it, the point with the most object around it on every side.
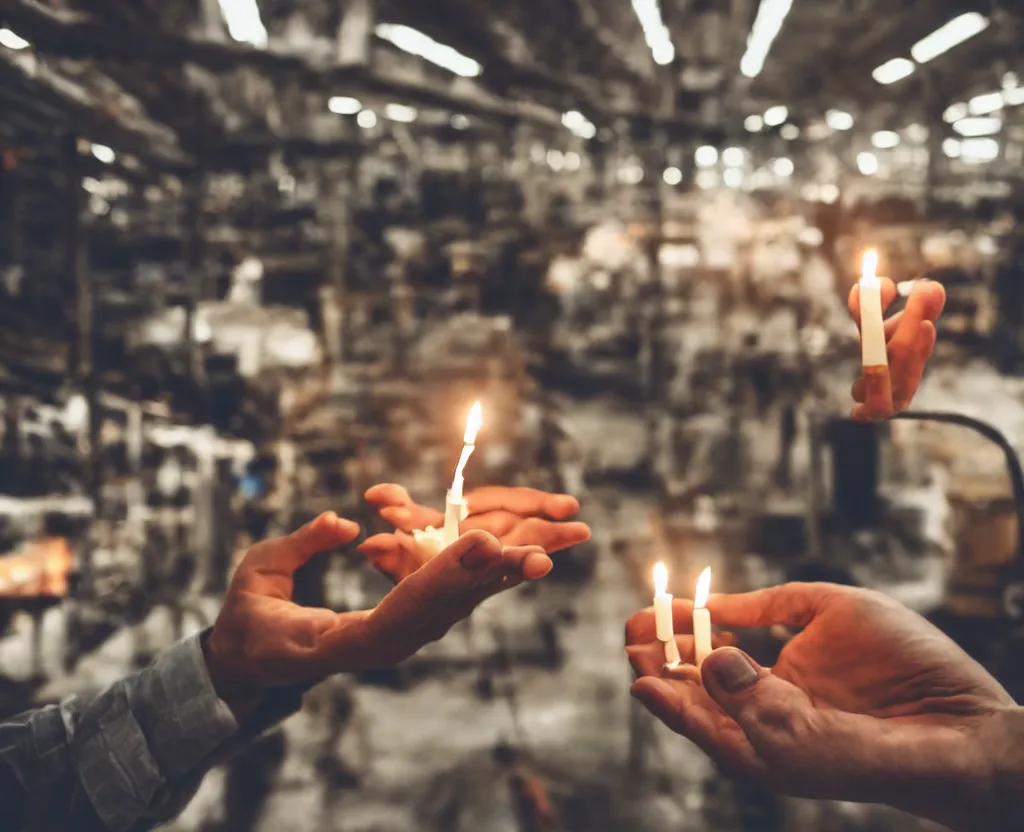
(983, 787)
(128, 758)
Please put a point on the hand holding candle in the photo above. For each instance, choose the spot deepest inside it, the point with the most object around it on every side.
(874, 350)
(663, 616)
(910, 338)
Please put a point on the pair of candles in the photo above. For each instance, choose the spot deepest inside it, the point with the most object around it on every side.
(665, 625)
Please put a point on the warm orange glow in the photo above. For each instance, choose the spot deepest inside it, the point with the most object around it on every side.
(476, 414)
(869, 268)
(700, 598)
(660, 579)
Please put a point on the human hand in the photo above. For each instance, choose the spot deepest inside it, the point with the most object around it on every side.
(910, 336)
(868, 703)
(516, 516)
(262, 640)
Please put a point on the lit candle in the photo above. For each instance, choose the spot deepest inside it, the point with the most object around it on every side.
(702, 618)
(874, 353)
(663, 616)
(430, 541)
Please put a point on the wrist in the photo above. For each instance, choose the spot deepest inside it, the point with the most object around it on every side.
(982, 782)
(242, 697)
(1005, 737)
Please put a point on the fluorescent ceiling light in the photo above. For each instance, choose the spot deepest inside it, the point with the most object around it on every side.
(578, 124)
(423, 46)
(656, 33)
(460, 122)
(867, 163)
(973, 127)
(706, 156)
(885, 139)
(892, 71)
(771, 14)
(774, 116)
(753, 124)
(944, 38)
(103, 153)
(790, 132)
(783, 167)
(400, 113)
(733, 157)
(951, 147)
(12, 40)
(982, 105)
(979, 150)
(242, 18)
(1013, 97)
(367, 119)
(955, 112)
(839, 120)
(672, 176)
(732, 177)
(342, 106)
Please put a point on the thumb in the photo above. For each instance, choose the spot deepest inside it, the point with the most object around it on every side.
(775, 715)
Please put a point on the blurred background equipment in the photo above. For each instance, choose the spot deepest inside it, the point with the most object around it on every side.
(256, 257)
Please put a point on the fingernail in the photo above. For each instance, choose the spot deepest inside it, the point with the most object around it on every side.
(731, 670)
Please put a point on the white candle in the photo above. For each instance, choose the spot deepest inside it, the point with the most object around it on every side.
(702, 618)
(455, 509)
(872, 325)
(663, 616)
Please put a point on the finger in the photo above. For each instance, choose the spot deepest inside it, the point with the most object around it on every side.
(878, 393)
(686, 708)
(446, 589)
(395, 555)
(792, 605)
(531, 562)
(889, 294)
(553, 537)
(778, 718)
(410, 517)
(910, 365)
(526, 502)
(284, 555)
(388, 494)
(641, 628)
(649, 659)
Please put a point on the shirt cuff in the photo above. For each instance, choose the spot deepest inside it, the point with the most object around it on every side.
(179, 710)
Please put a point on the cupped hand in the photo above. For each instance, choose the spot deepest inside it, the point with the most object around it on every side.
(910, 336)
(868, 702)
(516, 516)
(263, 640)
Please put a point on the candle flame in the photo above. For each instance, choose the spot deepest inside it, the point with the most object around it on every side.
(700, 598)
(473, 424)
(869, 267)
(660, 579)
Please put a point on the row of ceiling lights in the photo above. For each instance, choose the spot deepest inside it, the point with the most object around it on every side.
(953, 33)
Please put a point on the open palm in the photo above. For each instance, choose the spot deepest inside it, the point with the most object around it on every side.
(516, 516)
(868, 702)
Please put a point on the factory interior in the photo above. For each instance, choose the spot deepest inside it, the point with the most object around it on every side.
(257, 256)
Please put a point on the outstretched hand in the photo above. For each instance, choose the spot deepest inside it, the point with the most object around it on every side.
(516, 516)
(910, 336)
(868, 702)
(263, 640)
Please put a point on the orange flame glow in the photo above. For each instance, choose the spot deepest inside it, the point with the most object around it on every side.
(660, 579)
(473, 424)
(700, 598)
